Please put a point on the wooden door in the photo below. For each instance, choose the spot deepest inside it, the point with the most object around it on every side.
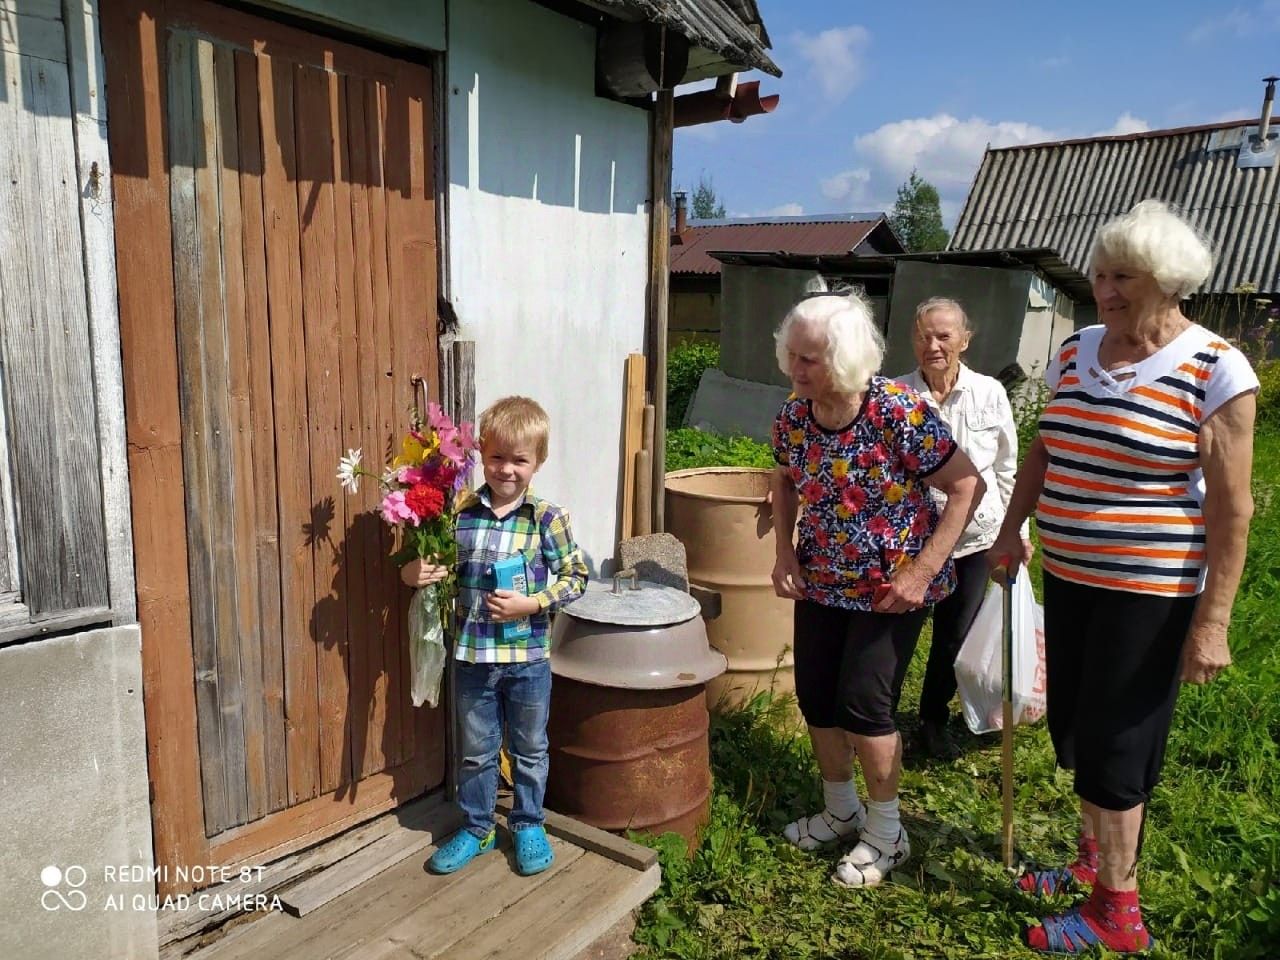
(275, 231)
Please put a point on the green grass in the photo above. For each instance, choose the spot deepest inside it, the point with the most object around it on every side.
(1210, 867)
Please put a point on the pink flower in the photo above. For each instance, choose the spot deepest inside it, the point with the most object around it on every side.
(437, 419)
(451, 445)
(413, 475)
(395, 511)
(466, 437)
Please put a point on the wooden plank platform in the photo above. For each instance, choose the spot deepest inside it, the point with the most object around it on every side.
(486, 910)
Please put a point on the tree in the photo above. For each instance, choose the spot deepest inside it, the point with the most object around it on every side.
(706, 205)
(917, 216)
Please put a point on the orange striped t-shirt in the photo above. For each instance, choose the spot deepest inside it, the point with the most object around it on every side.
(1121, 504)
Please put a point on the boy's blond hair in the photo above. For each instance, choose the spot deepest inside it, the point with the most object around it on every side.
(517, 420)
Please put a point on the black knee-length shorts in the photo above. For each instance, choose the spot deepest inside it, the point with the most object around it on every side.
(1114, 663)
(850, 664)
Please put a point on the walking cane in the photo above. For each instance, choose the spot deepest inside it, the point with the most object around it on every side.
(1006, 705)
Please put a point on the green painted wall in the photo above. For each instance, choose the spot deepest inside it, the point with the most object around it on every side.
(417, 23)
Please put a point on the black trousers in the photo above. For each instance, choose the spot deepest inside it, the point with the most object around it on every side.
(1114, 663)
(850, 665)
(951, 621)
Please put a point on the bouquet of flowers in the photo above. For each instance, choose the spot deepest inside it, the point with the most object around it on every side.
(420, 487)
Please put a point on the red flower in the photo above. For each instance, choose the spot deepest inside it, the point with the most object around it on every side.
(854, 497)
(910, 461)
(920, 523)
(898, 412)
(813, 452)
(878, 525)
(851, 551)
(442, 476)
(813, 491)
(424, 500)
(823, 538)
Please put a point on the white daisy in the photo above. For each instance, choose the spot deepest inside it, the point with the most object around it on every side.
(348, 468)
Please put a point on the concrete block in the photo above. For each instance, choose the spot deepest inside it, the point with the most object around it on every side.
(74, 805)
(658, 558)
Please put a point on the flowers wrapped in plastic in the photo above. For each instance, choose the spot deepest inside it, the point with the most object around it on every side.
(420, 487)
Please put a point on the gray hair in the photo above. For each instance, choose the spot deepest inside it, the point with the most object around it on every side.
(855, 347)
(943, 303)
(1153, 238)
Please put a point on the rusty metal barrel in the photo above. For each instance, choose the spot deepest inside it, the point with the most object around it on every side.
(629, 725)
(722, 517)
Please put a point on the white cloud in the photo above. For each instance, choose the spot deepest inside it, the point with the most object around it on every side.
(835, 58)
(851, 186)
(1055, 63)
(1240, 22)
(781, 210)
(1125, 124)
(1239, 113)
(943, 149)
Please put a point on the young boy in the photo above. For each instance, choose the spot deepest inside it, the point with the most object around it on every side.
(500, 676)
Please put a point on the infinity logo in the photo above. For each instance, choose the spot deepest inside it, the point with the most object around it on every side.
(53, 898)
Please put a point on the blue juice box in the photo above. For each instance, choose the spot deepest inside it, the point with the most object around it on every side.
(509, 574)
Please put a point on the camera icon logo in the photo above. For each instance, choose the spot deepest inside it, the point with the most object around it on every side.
(63, 888)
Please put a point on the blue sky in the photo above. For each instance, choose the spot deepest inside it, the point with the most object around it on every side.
(872, 89)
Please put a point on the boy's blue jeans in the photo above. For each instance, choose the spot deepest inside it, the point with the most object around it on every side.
(491, 695)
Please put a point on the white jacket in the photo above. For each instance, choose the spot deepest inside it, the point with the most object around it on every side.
(978, 413)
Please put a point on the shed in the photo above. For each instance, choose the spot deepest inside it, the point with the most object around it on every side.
(1022, 303)
(695, 272)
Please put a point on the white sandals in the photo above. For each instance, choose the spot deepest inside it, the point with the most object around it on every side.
(822, 829)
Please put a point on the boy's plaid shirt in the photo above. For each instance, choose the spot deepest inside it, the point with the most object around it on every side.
(539, 531)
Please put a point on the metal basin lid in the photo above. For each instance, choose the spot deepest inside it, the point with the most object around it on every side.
(633, 603)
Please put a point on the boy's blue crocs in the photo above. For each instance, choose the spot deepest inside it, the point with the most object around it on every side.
(459, 850)
(533, 850)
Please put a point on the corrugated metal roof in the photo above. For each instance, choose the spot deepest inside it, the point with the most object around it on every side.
(1046, 262)
(789, 234)
(732, 29)
(1057, 195)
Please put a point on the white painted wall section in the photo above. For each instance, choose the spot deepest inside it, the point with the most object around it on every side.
(548, 239)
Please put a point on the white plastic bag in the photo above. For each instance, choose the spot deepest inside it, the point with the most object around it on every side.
(426, 647)
(979, 672)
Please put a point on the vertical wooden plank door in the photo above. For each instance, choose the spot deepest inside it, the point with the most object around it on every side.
(276, 258)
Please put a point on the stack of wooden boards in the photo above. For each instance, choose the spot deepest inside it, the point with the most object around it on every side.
(637, 452)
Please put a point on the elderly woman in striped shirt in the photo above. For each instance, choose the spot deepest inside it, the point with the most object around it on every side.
(1140, 481)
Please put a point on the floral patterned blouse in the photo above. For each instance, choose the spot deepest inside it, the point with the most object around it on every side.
(864, 510)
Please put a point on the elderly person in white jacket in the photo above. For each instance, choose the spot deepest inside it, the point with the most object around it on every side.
(977, 410)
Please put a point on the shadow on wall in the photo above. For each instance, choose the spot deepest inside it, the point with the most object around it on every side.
(524, 120)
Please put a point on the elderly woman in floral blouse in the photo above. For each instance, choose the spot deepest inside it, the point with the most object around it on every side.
(854, 453)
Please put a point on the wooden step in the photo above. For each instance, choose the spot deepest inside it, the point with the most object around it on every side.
(486, 910)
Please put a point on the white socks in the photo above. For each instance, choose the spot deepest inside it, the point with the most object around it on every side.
(883, 820)
(882, 846)
(841, 799)
(842, 817)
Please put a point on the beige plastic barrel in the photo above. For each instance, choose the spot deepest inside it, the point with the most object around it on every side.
(721, 516)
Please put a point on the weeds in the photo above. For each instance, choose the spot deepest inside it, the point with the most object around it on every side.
(1211, 862)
